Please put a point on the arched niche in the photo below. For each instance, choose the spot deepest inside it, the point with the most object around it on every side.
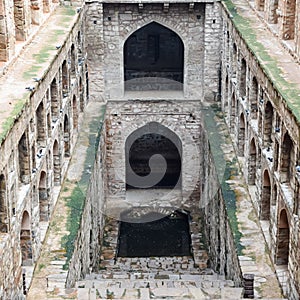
(153, 59)
(143, 145)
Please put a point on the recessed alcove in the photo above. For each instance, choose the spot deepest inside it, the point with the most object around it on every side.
(154, 234)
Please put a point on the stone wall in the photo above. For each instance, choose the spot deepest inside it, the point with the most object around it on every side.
(34, 158)
(200, 185)
(266, 134)
(86, 255)
(109, 26)
(19, 20)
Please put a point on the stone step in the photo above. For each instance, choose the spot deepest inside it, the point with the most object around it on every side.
(158, 293)
(127, 283)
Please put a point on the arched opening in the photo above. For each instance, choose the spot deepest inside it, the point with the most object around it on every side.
(56, 163)
(33, 158)
(25, 240)
(40, 125)
(265, 197)
(153, 158)
(253, 98)
(274, 195)
(73, 59)
(241, 135)
(243, 78)
(287, 152)
(66, 136)
(252, 163)
(24, 159)
(154, 57)
(268, 123)
(75, 112)
(234, 60)
(65, 78)
(3, 206)
(81, 95)
(226, 96)
(49, 125)
(54, 100)
(283, 239)
(154, 234)
(276, 153)
(233, 112)
(87, 89)
(19, 19)
(43, 197)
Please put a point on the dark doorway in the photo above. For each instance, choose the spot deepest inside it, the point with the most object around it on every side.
(166, 236)
(153, 59)
(153, 154)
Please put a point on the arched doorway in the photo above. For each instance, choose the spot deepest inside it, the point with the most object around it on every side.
(154, 58)
(268, 123)
(66, 136)
(241, 135)
(75, 112)
(252, 163)
(287, 153)
(56, 163)
(25, 240)
(283, 239)
(43, 197)
(266, 197)
(153, 158)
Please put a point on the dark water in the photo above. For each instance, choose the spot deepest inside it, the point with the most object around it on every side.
(168, 236)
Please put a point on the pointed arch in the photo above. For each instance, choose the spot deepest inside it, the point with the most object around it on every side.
(24, 159)
(266, 197)
(141, 149)
(253, 98)
(56, 163)
(43, 197)
(66, 136)
(25, 240)
(252, 162)
(283, 239)
(153, 51)
(287, 152)
(268, 122)
(243, 76)
(241, 135)
(75, 112)
(54, 94)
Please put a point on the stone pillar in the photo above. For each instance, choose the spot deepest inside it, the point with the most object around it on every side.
(212, 57)
(94, 46)
(286, 19)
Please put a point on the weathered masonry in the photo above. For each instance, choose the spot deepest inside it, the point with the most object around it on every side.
(203, 95)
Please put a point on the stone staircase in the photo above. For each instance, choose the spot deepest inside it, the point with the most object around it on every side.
(155, 284)
(176, 277)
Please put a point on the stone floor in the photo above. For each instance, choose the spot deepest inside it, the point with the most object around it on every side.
(19, 73)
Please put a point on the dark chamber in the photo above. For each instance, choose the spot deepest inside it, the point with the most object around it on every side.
(168, 236)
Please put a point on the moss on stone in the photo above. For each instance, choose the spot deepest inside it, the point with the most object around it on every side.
(9, 122)
(76, 201)
(289, 91)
